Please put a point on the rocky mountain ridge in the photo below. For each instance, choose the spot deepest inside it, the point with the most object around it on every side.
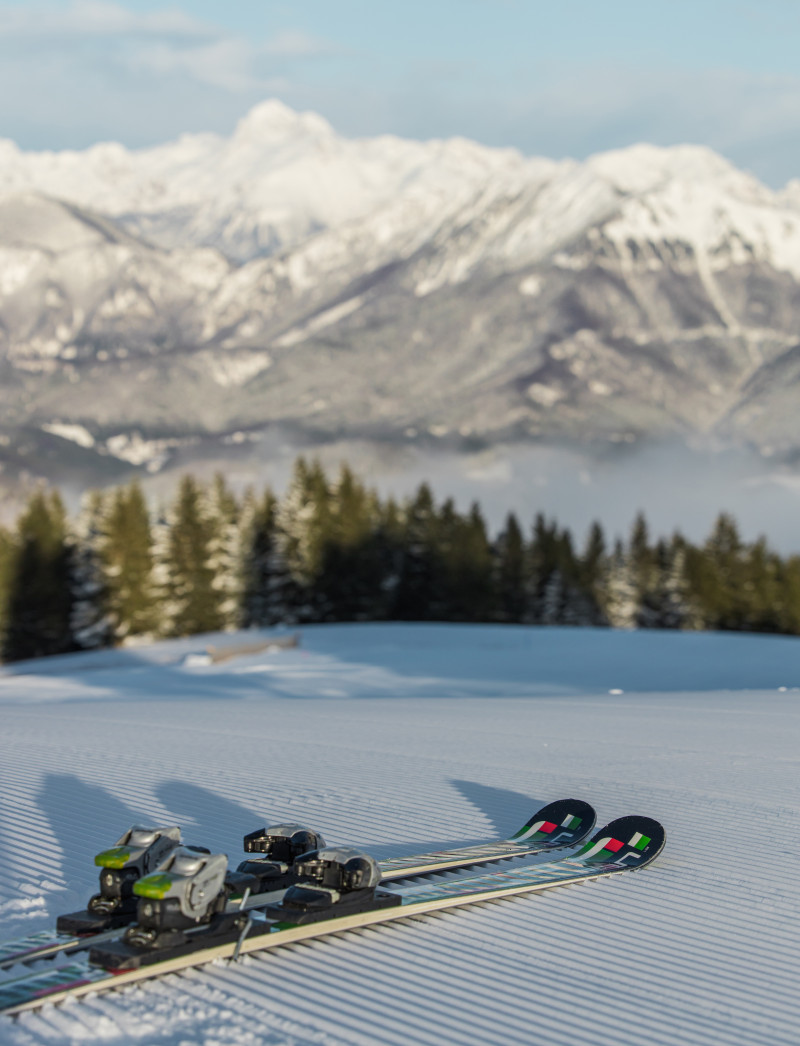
(211, 289)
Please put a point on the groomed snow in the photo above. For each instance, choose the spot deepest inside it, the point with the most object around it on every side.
(405, 738)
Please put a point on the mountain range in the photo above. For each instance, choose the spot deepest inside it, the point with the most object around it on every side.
(187, 300)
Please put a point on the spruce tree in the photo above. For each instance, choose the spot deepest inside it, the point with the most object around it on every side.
(40, 592)
(466, 566)
(304, 529)
(621, 593)
(90, 620)
(509, 573)
(266, 583)
(224, 550)
(557, 594)
(389, 556)
(6, 565)
(189, 577)
(592, 573)
(790, 604)
(542, 562)
(350, 574)
(718, 577)
(128, 555)
(673, 604)
(418, 587)
(643, 566)
(763, 588)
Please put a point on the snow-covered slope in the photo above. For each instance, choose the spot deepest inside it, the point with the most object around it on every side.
(401, 738)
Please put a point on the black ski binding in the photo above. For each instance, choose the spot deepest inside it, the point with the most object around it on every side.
(281, 844)
(137, 853)
(331, 883)
(180, 905)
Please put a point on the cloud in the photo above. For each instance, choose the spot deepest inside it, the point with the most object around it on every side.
(294, 44)
(752, 118)
(94, 70)
(98, 18)
(224, 63)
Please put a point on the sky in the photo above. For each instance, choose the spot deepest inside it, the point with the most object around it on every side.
(557, 79)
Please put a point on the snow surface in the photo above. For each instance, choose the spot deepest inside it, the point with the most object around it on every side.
(400, 738)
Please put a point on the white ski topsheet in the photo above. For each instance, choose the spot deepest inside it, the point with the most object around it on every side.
(402, 739)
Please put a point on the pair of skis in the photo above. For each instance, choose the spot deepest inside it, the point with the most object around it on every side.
(260, 921)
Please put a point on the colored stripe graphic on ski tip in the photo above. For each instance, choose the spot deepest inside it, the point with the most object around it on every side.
(564, 817)
(606, 847)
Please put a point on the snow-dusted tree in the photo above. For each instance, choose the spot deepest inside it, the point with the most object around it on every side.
(557, 595)
(90, 619)
(224, 550)
(621, 595)
(643, 565)
(40, 593)
(303, 528)
(128, 556)
(672, 603)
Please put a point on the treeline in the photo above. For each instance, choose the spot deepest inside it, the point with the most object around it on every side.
(333, 550)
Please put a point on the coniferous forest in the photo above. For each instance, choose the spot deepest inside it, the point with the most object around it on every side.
(331, 549)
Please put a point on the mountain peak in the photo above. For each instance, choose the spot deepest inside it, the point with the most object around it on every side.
(643, 167)
(273, 119)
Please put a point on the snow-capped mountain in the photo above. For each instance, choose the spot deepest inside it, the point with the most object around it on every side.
(388, 289)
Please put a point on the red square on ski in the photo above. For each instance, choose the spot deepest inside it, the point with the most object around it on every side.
(548, 826)
(613, 845)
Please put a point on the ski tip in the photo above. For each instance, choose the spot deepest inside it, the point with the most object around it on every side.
(562, 823)
(628, 842)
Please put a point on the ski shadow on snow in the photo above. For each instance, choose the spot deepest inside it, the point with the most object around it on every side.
(84, 819)
(506, 810)
(209, 820)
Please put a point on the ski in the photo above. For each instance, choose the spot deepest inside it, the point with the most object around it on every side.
(338, 889)
(562, 823)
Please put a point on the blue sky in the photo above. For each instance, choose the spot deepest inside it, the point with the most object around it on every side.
(563, 78)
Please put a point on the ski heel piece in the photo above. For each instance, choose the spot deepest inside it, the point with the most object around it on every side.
(628, 842)
(562, 823)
